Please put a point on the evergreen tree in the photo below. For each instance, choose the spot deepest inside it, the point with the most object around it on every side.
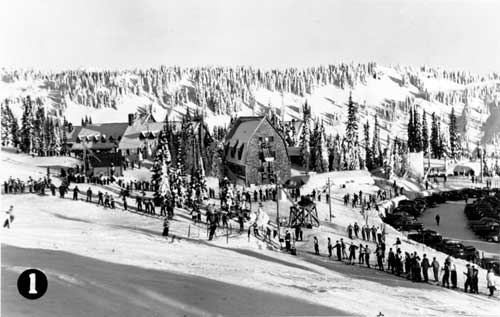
(38, 131)
(305, 139)
(376, 147)
(417, 131)
(435, 144)
(425, 134)
(454, 139)
(6, 124)
(351, 151)
(352, 121)
(159, 175)
(321, 151)
(27, 131)
(368, 150)
(411, 132)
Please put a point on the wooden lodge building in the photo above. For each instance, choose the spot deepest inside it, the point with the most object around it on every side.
(132, 141)
(255, 152)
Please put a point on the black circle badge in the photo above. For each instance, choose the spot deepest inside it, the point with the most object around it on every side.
(32, 284)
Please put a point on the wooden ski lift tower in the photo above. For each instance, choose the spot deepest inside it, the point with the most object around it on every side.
(304, 214)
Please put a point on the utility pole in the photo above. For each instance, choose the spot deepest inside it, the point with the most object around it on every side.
(278, 206)
(330, 198)
(481, 165)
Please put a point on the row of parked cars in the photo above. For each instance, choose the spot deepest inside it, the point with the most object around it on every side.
(404, 218)
(484, 217)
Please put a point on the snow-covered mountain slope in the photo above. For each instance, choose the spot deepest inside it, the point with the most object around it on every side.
(389, 93)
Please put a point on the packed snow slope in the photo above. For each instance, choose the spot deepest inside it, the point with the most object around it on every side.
(75, 228)
(388, 92)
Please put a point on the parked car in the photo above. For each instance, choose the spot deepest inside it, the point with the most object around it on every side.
(407, 224)
(427, 237)
(457, 249)
(396, 215)
(491, 236)
(482, 221)
(491, 262)
(486, 227)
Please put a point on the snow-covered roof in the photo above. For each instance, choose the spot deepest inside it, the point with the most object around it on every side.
(96, 136)
(134, 134)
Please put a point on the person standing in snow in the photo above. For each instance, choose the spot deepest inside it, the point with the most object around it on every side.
(453, 276)
(287, 241)
(329, 247)
(166, 226)
(490, 280)
(446, 275)
(316, 246)
(352, 253)
(10, 217)
(435, 269)
(356, 229)
(349, 231)
(89, 195)
(75, 193)
(342, 244)
(338, 246)
(367, 255)
(438, 218)
(425, 268)
(361, 254)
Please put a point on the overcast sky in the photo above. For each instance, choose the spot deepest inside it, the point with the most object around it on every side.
(129, 33)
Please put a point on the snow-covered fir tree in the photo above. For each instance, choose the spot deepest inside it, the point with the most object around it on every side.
(454, 139)
(27, 129)
(425, 134)
(321, 150)
(305, 138)
(368, 150)
(376, 145)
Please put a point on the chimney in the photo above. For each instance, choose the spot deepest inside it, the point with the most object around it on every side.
(130, 119)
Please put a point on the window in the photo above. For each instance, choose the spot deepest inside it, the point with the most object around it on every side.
(233, 150)
(240, 152)
(128, 151)
(271, 139)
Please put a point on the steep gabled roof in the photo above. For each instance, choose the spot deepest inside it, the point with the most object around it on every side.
(132, 138)
(97, 136)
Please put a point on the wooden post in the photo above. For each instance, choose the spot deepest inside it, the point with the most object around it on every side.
(227, 235)
(189, 231)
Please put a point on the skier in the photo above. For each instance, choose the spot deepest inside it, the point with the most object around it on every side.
(349, 231)
(10, 217)
(329, 247)
(437, 219)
